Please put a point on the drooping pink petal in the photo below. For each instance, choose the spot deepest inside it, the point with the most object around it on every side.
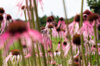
(3, 39)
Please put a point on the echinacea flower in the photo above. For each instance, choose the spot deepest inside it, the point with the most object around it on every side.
(57, 53)
(87, 12)
(21, 2)
(77, 39)
(16, 30)
(93, 49)
(47, 42)
(14, 56)
(74, 26)
(92, 18)
(50, 21)
(61, 23)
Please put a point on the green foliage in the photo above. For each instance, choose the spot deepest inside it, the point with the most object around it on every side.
(93, 3)
(43, 20)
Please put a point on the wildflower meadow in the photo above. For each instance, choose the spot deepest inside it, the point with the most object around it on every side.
(52, 42)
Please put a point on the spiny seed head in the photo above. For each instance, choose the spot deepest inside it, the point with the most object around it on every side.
(87, 12)
(17, 27)
(58, 29)
(8, 17)
(50, 26)
(52, 17)
(93, 17)
(15, 52)
(90, 18)
(61, 19)
(77, 18)
(65, 43)
(1, 17)
(49, 19)
(23, 7)
(2, 11)
(77, 39)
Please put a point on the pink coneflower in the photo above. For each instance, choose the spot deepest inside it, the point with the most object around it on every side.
(21, 2)
(64, 44)
(54, 32)
(61, 23)
(57, 53)
(16, 30)
(93, 49)
(74, 26)
(77, 39)
(92, 18)
(14, 56)
(87, 12)
(49, 21)
(47, 41)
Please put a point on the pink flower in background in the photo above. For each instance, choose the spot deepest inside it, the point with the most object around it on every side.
(21, 2)
(54, 32)
(93, 49)
(87, 29)
(61, 23)
(74, 26)
(65, 47)
(47, 42)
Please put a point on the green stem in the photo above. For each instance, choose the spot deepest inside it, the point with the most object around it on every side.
(81, 15)
(97, 56)
(37, 19)
(81, 22)
(44, 57)
(25, 15)
(28, 12)
(21, 50)
(83, 52)
(62, 53)
(34, 54)
(1, 60)
(38, 55)
(32, 15)
(69, 37)
(90, 58)
(52, 44)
